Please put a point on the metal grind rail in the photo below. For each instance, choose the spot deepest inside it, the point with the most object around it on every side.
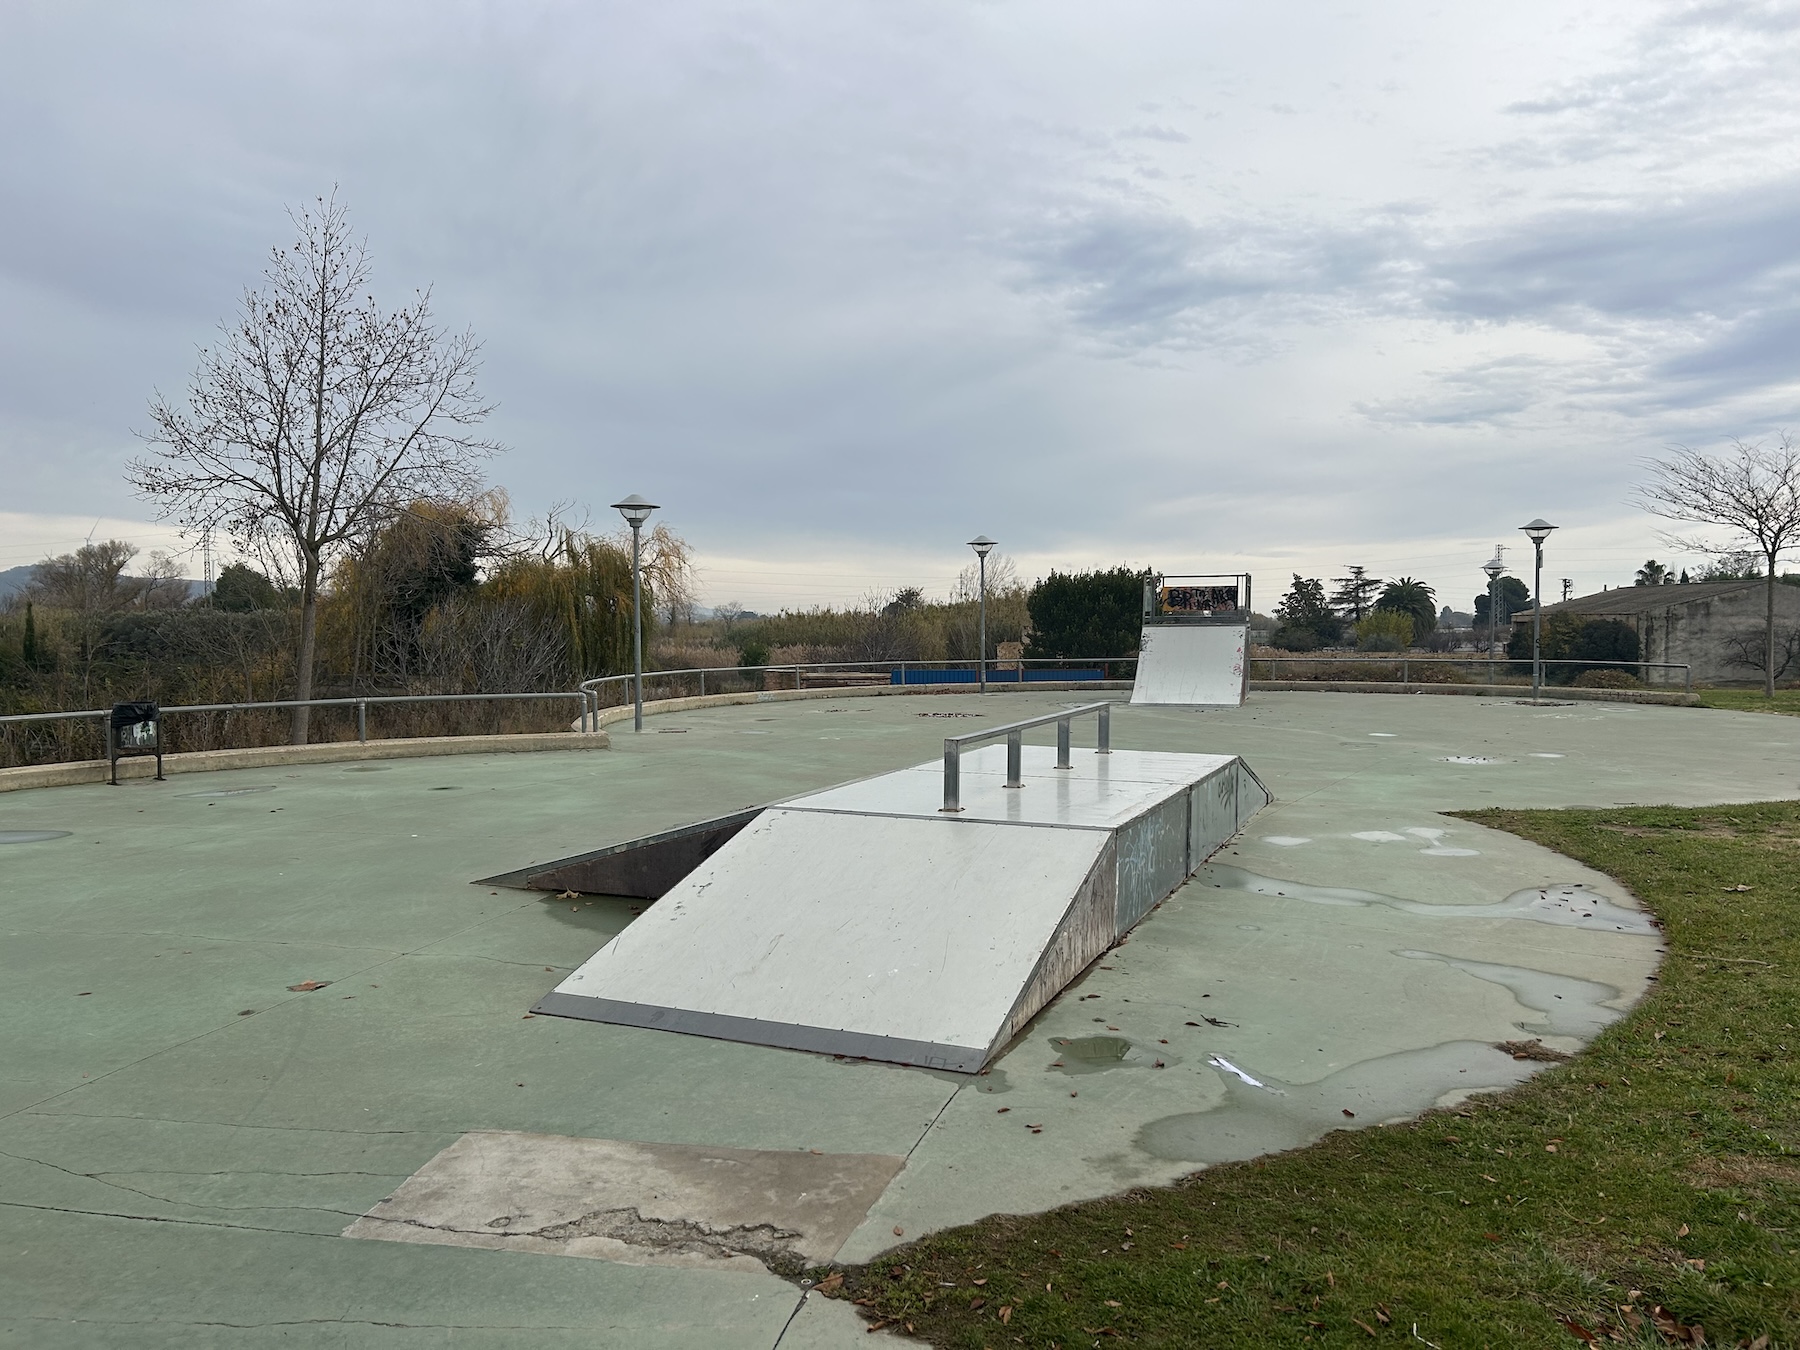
(1015, 746)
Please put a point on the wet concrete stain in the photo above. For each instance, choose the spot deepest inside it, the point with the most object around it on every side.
(1569, 1007)
(1273, 1115)
(1571, 904)
(32, 836)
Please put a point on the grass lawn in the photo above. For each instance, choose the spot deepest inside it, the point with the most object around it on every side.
(1645, 1192)
(1751, 700)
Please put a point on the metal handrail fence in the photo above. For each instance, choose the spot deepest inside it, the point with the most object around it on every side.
(589, 707)
(797, 668)
(1015, 746)
(1484, 665)
(591, 692)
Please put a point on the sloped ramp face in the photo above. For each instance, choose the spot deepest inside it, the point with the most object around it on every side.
(862, 921)
(1198, 665)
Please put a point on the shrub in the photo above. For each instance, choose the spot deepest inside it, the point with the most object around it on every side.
(1607, 678)
(1289, 639)
(1384, 630)
(1086, 614)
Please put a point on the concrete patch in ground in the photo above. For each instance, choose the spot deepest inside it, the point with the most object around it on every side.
(638, 1203)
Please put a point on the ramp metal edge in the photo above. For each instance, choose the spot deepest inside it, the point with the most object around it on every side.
(754, 1031)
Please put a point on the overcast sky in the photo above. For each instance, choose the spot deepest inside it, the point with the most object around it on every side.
(1201, 286)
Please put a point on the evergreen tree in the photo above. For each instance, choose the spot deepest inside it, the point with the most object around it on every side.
(1355, 594)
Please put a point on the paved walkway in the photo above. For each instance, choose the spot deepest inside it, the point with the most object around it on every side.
(184, 1136)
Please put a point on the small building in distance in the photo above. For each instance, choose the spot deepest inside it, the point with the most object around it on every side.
(1715, 627)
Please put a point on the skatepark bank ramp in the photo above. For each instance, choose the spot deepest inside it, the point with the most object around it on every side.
(919, 917)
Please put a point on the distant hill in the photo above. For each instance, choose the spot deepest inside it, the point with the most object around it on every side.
(15, 579)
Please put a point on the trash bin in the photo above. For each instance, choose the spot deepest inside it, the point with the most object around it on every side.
(134, 729)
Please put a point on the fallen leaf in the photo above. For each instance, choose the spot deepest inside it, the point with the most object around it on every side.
(1350, 1113)
(1364, 1325)
(1158, 1065)
(307, 986)
(569, 895)
(1381, 1314)
(1683, 1231)
(899, 1231)
(978, 1305)
(1549, 1148)
(1739, 887)
(1578, 1331)
(981, 1281)
(1006, 1312)
(1331, 1279)
(830, 1284)
(1003, 1110)
(1114, 1303)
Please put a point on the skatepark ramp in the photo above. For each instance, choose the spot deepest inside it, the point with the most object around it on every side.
(920, 917)
(1195, 647)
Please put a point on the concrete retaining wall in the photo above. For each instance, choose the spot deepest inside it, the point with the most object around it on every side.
(272, 756)
(1552, 693)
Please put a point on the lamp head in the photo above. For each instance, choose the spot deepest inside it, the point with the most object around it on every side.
(1538, 530)
(982, 545)
(1493, 567)
(635, 510)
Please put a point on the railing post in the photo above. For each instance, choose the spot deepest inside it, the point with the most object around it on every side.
(1105, 720)
(1015, 760)
(362, 720)
(703, 684)
(1062, 744)
(952, 776)
(1403, 666)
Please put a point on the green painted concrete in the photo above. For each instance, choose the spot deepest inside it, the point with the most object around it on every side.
(182, 1138)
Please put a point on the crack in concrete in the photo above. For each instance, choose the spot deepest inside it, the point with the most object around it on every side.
(306, 1322)
(221, 1124)
(164, 1218)
(764, 1242)
(100, 1179)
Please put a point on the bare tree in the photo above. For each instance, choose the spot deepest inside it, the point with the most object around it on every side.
(1749, 489)
(315, 418)
(90, 580)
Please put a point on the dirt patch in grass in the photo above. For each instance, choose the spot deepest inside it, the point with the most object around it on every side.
(1580, 1205)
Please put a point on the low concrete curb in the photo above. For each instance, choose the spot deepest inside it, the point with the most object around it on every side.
(273, 756)
(622, 713)
(1552, 693)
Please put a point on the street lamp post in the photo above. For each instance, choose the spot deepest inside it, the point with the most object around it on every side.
(1537, 532)
(1493, 567)
(636, 511)
(982, 546)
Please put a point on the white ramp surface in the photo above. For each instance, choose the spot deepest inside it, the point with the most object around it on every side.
(1191, 665)
(863, 921)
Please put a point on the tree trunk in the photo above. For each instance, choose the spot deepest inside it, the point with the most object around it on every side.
(1769, 635)
(303, 666)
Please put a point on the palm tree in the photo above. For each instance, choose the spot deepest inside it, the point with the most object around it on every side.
(1413, 598)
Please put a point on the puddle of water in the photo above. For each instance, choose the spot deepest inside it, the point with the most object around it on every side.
(1093, 1054)
(1379, 837)
(1261, 1114)
(1385, 735)
(444, 789)
(994, 1080)
(1570, 1007)
(1545, 754)
(31, 836)
(1571, 904)
(368, 768)
(1285, 840)
(228, 792)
